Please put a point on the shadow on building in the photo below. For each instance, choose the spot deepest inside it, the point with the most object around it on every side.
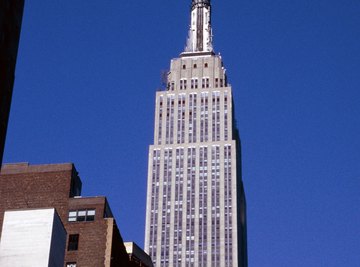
(11, 12)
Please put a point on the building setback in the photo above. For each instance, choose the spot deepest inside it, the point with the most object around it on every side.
(93, 238)
(11, 12)
(196, 211)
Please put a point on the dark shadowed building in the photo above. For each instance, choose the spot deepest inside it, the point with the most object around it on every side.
(11, 12)
(137, 257)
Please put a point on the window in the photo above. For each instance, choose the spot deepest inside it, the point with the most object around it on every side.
(194, 83)
(73, 242)
(183, 84)
(184, 67)
(71, 264)
(205, 83)
(206, 65)
(87, 215)
(171, 86)
(195, 66)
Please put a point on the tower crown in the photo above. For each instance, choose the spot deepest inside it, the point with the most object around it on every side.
(200, 32)
(200, 2)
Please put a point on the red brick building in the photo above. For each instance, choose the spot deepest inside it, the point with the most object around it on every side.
(93, 238)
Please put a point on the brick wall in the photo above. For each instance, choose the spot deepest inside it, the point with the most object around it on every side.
(93, 235)
(23, 186)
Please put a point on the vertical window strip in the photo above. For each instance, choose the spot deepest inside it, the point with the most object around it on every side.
(217, 149)
(154, 202)
(215, 205)
(190, 207)
(206, 118)
(166, 206)
(182, 140)
(192, 117)
(216, 116)
(230, 175)
(170, 119)
(167, 137)
(181, 119)
(226, 123)
(161, 104)
(178, 206)
(204, 124)
(202, 117)
(227, 174)
(203, 207)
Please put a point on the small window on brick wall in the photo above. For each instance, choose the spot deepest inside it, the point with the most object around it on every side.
(71, 264)
(73, 243)
(87, 215)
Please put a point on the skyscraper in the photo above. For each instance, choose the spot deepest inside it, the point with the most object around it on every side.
(196, 211)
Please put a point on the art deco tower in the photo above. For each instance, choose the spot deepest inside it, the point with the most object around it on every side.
(196, 212)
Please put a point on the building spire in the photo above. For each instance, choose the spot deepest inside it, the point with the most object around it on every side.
(200, 32)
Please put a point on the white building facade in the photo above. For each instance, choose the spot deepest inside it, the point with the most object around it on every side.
(32, 238)
(196, 212)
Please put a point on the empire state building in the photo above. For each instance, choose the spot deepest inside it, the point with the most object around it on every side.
(196, 211)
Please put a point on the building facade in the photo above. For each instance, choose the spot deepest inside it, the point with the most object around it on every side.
(11, 12)
(32, 237)
(93, 238)
(196, 210)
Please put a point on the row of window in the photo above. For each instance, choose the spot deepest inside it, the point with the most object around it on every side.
(195, 66)
(195, 83)
(87, 215)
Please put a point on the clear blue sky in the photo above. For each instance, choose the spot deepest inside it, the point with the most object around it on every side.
(86, 78)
